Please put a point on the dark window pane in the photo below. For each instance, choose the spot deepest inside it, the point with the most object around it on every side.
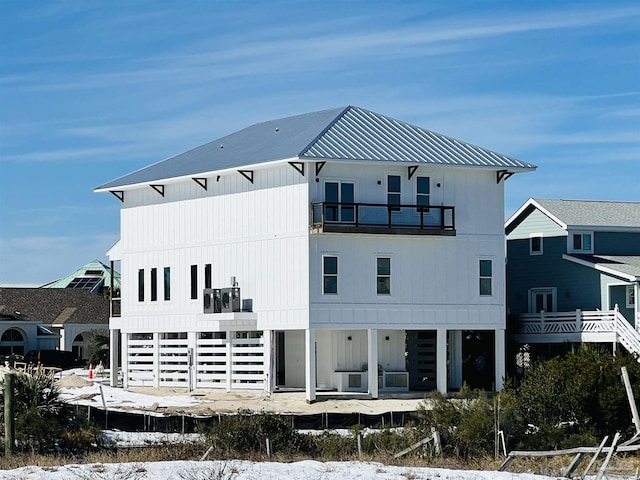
(330, 284)
(194, 281)
(384, 285)
(485, 268)
(331, 192)
(346, 193)
(393, 183)
(535, 244)
(331, 265)
(141, 285)
(423, 185)
(577, 242)
(485, 286)
(384, 266)
(154, 284)
(207, 275)
(167, 283)
(586, 241)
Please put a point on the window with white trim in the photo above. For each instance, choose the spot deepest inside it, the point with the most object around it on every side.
(393, 191)
(383, 276)
(535, 244)
(581, 242)
(329, 275)
(486, 278)
(423, 193)
(631, 296)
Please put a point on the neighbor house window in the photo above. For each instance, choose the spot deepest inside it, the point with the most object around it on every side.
(383, 279)
(393, 191)
(631, 297)
(194, 282)
(141, 285)
(329, 275)
(167, 283)
(154, 284)
(422, 192)
(535, 244)
(582, 242)
(486, 278)
(207, 275)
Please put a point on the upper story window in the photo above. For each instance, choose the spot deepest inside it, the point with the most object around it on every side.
(535, 244)
(339, 198)
(423, 192)
(194, 282)
(207, 275)
(330, 275)
(581, 242)
(393, 190)
(631, 296)
(486, 278)
(141, 285)
(167, 283)
(383, 278)
(154, 284)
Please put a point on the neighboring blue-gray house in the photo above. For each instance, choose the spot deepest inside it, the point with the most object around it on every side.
(573, 272)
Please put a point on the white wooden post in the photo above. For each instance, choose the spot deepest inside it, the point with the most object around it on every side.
(455, 358)
(114, 338)
(156, 359)
(441, 360)
(578, 320)
(267, 339)
(310, 364)
(500, 359)
(229, 353)
(542, 329)
(372, 337)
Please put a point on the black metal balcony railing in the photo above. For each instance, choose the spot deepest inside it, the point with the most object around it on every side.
(382, 218)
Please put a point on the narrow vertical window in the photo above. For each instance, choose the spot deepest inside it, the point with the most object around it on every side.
(383, 279)
(167, 283)
(194, 282)
(207, 275)
(423, 193)
(330, 275)
(631, 297)
(535, 244)
(486, 278)
(393, 191)
(141, 285)
(154, 284)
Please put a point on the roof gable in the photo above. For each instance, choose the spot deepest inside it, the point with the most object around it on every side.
(587, 214)
(341, 134)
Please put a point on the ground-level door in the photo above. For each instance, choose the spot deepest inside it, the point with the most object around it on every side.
(542, 299)
(421, 359)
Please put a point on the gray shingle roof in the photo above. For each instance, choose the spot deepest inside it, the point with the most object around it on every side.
(54, 305)
(626, 264)
(344, 133)
(593, 213)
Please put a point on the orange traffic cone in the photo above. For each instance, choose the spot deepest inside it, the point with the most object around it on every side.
(90, 371)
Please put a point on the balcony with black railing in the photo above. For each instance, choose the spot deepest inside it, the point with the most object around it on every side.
(377, 218)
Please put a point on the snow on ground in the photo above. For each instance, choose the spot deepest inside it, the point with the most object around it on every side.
(244, 470)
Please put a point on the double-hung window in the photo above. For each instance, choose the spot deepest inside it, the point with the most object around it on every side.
(393, 192)
(631, 296)
(423, 193)
(486, 278)
(535, 244)
(330, 275)
(383, 276)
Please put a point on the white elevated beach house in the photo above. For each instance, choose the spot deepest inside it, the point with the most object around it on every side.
(339, 250)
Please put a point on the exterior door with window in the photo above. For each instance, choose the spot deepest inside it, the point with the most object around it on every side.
(339, 198)
(542, 299)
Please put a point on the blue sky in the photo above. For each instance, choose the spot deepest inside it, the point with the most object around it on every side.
(92, 90)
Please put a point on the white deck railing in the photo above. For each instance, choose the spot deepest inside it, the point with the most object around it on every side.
(579, 322)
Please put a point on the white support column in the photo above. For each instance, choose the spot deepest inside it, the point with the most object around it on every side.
(125, 360)
(636, 305)
(372, 359)
(269, 358)
(441, 360)
(229, 353)
(455, 358)
(114, 340)
(156, 359)
(192, 355)
(500, 360)
(63, 339)
(310, 364)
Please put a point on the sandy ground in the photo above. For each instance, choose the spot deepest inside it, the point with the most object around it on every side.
(214, 401)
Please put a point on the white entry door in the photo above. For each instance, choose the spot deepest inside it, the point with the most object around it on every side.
(542, 299)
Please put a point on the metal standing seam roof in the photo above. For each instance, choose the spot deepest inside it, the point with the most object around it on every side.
(340, 134)
(593, 213)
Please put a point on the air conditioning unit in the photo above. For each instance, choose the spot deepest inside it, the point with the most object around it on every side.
(212, 299)
(231, 299)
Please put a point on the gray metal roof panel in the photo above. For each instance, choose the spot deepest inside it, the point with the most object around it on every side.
(344, 133)
(593, 213)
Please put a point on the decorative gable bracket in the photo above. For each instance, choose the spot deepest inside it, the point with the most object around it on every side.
(299, 166)
(412, 170)
(319, 166)
(119, 194)
(248, 174)
(502, 175)
(159, 189)
(201, 181)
